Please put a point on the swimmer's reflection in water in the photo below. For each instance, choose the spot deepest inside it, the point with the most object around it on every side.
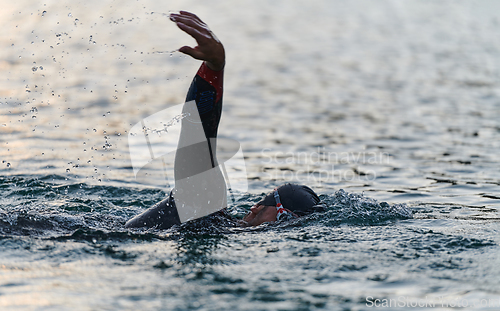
(198, 178)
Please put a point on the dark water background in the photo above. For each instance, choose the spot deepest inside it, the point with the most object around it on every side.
(397, 103)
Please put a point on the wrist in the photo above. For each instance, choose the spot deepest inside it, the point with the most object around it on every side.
(215, 66)
(218, 61)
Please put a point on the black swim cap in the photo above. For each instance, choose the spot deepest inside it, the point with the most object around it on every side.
(299, 199)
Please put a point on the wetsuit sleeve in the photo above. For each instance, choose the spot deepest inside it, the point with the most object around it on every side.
(196, 158)
(206, 89)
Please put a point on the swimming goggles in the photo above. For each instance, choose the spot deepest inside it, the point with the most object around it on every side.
(281, 212)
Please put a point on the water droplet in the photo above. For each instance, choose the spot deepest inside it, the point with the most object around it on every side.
(70, 15)
(43, 13)
(8, 164)
(67, 170)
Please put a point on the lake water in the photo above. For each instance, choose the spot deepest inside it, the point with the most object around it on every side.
(388, 109)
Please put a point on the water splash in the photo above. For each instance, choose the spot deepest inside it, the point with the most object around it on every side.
(175, 120)
(355, 208)
(165, 52)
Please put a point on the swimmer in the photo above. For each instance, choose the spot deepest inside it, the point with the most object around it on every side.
(198, 159)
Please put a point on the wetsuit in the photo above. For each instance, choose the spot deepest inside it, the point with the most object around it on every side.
(196, 169)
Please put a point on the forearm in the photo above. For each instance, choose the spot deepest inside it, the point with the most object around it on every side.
(206, 90)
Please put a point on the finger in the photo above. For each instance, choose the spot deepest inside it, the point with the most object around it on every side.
(188, 21)
(194, 53)
(194, 17)
(191, 15)
(198, 36)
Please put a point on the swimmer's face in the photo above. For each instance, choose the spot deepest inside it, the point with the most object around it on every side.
(260, 214)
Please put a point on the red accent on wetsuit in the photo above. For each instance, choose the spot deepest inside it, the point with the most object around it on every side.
(215, 78)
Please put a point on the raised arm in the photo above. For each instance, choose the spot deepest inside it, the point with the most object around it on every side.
(200, 188)
(207, 86)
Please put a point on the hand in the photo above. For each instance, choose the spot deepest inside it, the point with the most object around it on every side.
(209, 48)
